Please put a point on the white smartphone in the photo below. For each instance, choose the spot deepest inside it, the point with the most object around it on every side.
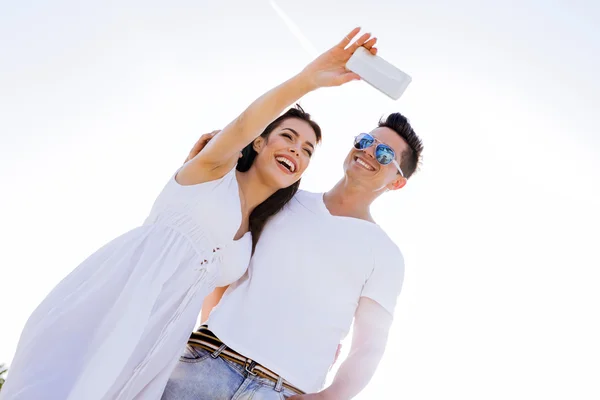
(379, 73)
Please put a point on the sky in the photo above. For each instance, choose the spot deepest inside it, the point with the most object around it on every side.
(100, 103)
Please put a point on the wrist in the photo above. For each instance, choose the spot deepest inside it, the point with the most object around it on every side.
(306, 82)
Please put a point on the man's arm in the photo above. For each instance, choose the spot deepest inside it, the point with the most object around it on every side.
(371, 328)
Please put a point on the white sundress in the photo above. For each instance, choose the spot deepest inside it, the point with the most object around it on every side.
(114, 327)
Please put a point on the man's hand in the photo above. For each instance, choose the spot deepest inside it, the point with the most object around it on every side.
(311, 396)
(200, 144)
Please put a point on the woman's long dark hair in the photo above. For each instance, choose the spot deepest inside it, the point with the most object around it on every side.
(271, 206)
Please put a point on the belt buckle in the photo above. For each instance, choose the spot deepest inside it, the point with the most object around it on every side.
(252, 365)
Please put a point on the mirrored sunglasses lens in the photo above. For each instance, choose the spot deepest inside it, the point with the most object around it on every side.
(363, 141)
(384, 154)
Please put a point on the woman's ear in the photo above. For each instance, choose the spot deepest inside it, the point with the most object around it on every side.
(258, 144)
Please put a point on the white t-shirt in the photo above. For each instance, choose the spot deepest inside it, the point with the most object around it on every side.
(297, 300)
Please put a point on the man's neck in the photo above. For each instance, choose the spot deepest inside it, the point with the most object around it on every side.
(347, 200)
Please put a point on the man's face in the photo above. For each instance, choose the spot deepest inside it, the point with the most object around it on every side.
(362, 167)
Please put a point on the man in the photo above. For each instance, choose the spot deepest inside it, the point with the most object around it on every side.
(320, 263)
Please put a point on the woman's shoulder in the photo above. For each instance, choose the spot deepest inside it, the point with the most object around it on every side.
(210, 180)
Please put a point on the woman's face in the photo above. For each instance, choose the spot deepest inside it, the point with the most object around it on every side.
(285, 154)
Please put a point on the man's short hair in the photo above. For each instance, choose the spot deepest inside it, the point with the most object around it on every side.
(410, 159)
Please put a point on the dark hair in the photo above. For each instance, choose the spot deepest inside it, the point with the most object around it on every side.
(271, 206)
(410, 159)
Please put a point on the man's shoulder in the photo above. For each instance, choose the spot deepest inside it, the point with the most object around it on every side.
(384, 246)
(367, 232)
(308, 200)
(385, 241)
(303, 195)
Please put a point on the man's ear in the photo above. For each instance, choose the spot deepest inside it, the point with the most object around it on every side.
(398, 183)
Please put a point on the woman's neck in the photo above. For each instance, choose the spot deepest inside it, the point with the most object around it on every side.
(253, 191)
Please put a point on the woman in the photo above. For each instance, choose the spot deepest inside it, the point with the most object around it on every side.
(114, 328)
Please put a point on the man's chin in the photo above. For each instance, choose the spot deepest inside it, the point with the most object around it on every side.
(357, 172)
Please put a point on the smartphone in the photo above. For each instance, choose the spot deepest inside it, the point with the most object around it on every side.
(379, 73)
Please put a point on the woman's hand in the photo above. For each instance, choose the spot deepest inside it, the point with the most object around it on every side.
(329, 69)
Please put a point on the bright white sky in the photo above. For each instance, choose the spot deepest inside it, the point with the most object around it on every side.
(99, 104)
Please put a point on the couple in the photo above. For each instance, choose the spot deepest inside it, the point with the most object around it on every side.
(114, 327)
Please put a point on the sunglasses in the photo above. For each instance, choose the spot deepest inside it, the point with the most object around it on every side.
(384, 154)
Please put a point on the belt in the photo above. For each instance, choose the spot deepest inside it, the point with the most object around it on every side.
(207, 340)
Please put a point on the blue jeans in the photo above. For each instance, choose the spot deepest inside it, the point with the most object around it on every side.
(199, 376)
